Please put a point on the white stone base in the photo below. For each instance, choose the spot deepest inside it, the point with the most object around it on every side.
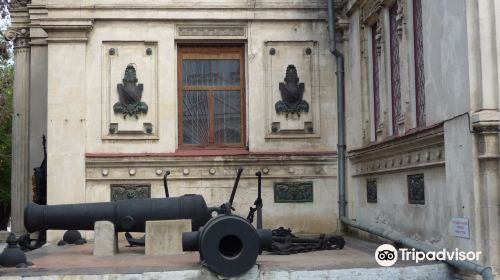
(421, 272)
(165, 237)
(105, 239)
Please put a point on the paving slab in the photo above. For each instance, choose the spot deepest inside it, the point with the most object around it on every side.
(356, 257)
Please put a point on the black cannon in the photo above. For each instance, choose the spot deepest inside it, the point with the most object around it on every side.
(228, 244)
(127, 215)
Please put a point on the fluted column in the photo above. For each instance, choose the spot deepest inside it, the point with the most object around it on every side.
(20, 178)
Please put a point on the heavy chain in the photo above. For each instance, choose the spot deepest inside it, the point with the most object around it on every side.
(286, 243)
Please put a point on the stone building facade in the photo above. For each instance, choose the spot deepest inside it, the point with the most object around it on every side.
(206, 77)
(423, 120)
(422, 92)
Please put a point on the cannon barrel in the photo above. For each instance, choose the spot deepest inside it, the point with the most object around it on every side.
(127, 215)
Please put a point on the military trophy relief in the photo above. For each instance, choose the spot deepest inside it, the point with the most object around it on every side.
(292, 84)
(131, 90)
(130, 95)
(130, 105)
(292, 95)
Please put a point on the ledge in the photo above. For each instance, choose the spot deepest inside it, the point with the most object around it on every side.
(185, 166)
(52, 24)
(411, 135)
(209, 152)
(417, 149)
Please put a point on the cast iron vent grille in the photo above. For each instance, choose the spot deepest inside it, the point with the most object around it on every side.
(416, 193)
(371, 190)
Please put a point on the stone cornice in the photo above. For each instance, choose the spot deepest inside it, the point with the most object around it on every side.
(200, 13)
(66, 30)
(194, 5)
(421, 149)
(53, 24)
(210, 167)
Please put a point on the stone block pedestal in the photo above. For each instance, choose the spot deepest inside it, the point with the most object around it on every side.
(105, 239)
(165, 237)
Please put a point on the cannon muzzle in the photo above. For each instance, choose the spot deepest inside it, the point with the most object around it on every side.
(228, 244)
(127, 215)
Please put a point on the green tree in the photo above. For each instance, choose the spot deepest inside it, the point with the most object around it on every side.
(6, 93)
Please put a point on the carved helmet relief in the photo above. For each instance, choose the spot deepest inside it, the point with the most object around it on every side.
(292, 93)
(130, 95)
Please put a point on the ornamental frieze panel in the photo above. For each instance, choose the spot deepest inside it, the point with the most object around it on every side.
(293, 192)
(130, 191)
(211, 31)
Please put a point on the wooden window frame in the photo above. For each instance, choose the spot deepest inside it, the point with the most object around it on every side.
(211, 51)
(419, 66)
(375, 78)
(395, 65)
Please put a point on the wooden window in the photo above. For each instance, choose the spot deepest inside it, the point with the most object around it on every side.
(418, 48)
(211, 90)
(395, 75)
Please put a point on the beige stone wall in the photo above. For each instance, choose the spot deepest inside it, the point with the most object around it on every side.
(213, 177)
(82, 90)
(292, 37)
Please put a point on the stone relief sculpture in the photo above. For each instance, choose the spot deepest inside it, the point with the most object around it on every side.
(130, 94)
(292, 93)
(16, 4)
(121, 192)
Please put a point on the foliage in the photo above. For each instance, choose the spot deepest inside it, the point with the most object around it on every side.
(4, 8)
(6, 92)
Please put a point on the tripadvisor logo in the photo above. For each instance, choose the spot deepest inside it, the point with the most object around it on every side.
(387, 255)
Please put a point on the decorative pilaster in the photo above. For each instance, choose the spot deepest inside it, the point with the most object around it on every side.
(488, 151)
(66, 110)
(482, 33)
(20, 178)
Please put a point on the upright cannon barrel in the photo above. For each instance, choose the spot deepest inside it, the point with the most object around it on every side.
(127, 215)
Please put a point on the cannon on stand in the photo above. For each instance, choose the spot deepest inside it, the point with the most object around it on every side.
(228, 244)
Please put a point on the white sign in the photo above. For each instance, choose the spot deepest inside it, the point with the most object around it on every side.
(460, 227)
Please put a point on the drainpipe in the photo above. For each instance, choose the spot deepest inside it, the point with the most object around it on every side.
(341, 147)
(485, 272)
